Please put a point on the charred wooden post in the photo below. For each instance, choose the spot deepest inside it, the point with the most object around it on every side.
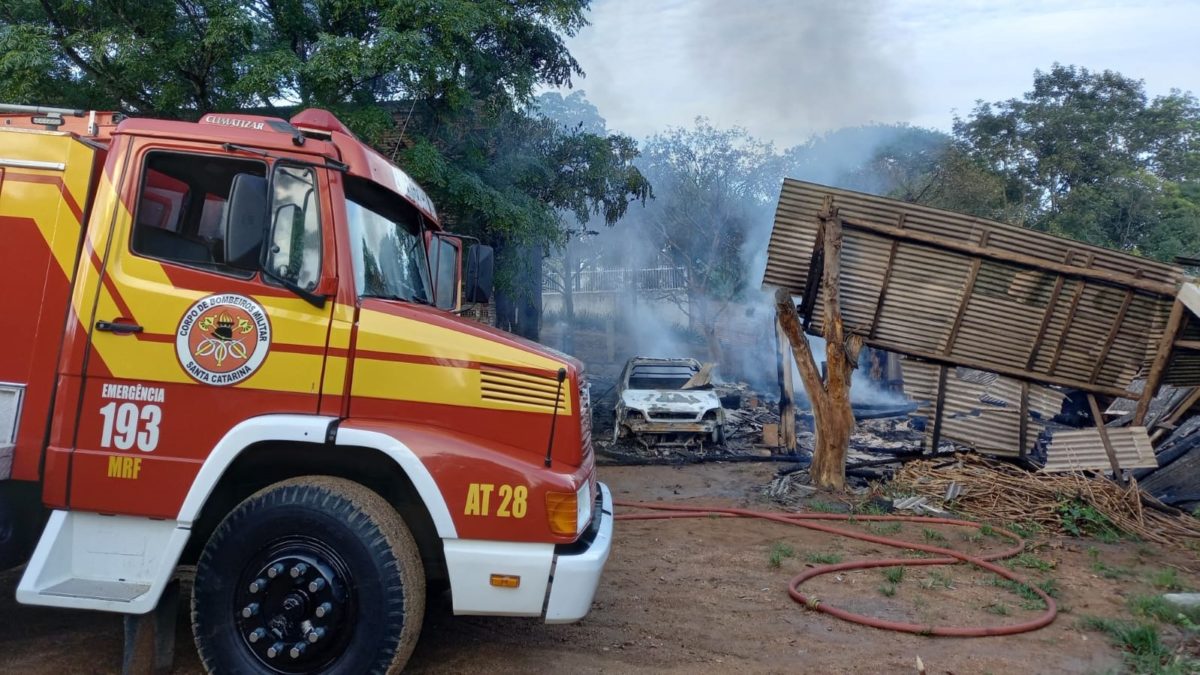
(1154, 377)
(833, 419)
(1098, 419)
(939, 409)
(787, 400)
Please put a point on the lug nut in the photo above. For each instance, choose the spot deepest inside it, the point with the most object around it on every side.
(299, 570)
(257, 634)
(275, 650)
(250, 610)
(297, 650)
(258, 585)
(316, 585)
(275, 570)
(323, 609)
(315, 634)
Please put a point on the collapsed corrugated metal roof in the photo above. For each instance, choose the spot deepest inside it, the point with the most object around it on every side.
(955, 289)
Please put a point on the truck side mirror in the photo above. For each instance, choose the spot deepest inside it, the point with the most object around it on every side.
(480, 274)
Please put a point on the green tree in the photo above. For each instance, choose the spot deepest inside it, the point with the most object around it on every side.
(459, 75)
(1088, 155)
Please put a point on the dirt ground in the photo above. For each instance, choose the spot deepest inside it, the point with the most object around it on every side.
(702, 595)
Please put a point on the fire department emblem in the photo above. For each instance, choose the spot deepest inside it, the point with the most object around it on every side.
(223, 339)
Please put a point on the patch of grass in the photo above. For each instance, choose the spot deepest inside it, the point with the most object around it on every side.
(1049, 587)
(821, 507)
(932, 536)
(870, 509)
(1167, 579)
(780, 552)
(893, 575)
(989, 531)
(824, 558)
(1029, 598)
(998, 608)
(1026, 529)
(1143, 649)
(1079, 519)
(938, 580)
(1032, 562)
(1157, 608)
(887, 590)
(1105, 570)
(974, 537)
(884, 529)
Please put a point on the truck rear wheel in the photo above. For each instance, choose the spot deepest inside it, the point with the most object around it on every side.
(310, 575)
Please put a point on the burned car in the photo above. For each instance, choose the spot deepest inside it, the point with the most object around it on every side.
(668, 402)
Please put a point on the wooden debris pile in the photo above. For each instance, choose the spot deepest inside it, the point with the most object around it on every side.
(999, 492)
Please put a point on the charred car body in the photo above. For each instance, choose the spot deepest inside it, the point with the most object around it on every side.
(667, 401)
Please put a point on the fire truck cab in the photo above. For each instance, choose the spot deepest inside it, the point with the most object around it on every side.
(235, 344)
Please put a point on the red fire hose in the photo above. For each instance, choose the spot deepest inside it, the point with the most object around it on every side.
(946, 557)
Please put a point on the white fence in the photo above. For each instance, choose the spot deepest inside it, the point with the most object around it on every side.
(616, 280)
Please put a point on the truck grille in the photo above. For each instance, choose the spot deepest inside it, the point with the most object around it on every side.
(509, 386)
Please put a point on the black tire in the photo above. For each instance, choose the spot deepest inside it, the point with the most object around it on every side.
(348, 544)
(20, 519)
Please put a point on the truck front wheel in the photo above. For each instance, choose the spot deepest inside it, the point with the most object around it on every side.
(310, 575)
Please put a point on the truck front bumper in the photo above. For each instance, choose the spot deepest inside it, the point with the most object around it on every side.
(577, 566)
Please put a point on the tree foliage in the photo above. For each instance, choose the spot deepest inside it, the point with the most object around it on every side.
(458, 74)
(1088, 155)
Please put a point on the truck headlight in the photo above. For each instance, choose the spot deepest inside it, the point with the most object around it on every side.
(568, 513)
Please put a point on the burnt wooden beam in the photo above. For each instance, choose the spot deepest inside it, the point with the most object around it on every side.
(1112, 335)
(1154, 377)
(939, 409)
(887, 280)
(1080, 284)
(968, 290)
(787, 399)
(1023, 422)
(1059, 280)
(1108, 448)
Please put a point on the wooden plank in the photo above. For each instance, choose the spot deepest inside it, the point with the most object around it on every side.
(887, 280)
(1154, 377)
(1066, 327)
(787, 400)
(999, 368)
(939, 408)
(936, 241)
(1047, 315)
(968, 290)
(1112, 335)
(1023, 421)
(1188, 344)
(1098, 420)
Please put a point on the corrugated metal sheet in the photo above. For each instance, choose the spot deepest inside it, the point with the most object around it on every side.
(1053, 324)
(1082, 450)
(980, 410)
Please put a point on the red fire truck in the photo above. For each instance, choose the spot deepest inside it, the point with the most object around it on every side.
(236, 344)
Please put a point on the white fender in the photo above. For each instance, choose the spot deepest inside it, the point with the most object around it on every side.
(311, 429)
(421, 479)
(298, 428)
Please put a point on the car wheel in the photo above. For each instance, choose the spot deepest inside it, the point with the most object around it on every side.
(310, 575)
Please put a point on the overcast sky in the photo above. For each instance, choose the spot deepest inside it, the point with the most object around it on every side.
(786, 69)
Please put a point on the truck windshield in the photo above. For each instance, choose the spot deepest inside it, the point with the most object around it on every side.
(389, 259)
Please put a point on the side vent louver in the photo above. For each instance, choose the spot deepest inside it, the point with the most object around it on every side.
(509, 386)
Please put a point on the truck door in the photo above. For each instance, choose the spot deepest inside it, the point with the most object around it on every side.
(187, 336)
